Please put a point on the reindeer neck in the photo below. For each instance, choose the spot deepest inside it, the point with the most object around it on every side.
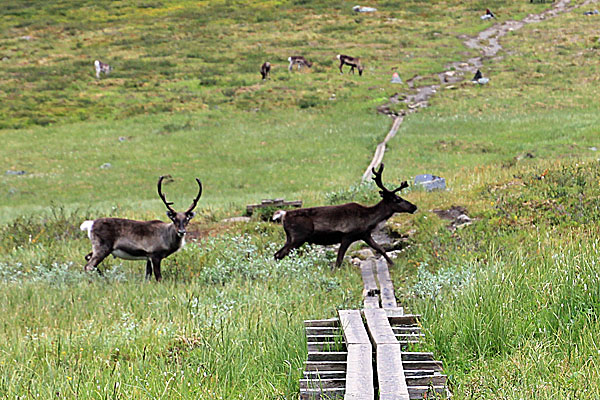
(381, 211)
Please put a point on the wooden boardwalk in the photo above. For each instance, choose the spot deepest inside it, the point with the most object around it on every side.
(363, 354)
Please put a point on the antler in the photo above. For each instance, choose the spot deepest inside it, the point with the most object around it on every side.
(197, 197)
(379, 183)
(377, 178)
(162, 196)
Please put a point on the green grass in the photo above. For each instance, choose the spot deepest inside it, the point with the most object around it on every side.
(509, 303)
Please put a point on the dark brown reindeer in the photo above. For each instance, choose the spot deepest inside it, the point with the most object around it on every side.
(353, 62)
(300, 61)
(265, 69)
(139, 240)
(343, 224)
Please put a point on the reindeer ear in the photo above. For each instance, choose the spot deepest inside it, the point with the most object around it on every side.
(190, 214)
(170, 214)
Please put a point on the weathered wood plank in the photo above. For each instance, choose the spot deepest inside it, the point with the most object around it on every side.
(406, 319)
(417, 356)
(426, 380)
(325, 366)
(325, 346)
(353, 327)
(322, 383)
(325, 338)
(395, 311)
(322, 330)
(428, 365)
(404, 330)
(370, 289)
(379, 327)
(386, 287)
(331, 322)
(359, 375)
(390, 374)
(327, 374)
(327, 356)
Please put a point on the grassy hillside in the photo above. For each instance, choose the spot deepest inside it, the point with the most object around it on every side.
(510, 302)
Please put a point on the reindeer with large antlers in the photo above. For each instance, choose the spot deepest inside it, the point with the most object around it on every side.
(343, 224)
(139, 240)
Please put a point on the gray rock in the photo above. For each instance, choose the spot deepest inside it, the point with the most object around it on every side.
(430, 182)
(106, 166)
(12, 172)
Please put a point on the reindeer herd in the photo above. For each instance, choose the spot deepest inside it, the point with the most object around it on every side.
(265, 68)
(155, 240)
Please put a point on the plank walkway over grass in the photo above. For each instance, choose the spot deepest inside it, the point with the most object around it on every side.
(362, 354)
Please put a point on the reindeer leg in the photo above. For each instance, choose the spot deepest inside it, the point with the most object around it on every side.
(148, 269)
(371, 242)
(97, 256)
(341, 70)
(352, 69)
(156, 266)
(342, 251)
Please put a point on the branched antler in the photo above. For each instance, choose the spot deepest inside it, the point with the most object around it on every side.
(195, 201)
(162, 196)
(377, 178)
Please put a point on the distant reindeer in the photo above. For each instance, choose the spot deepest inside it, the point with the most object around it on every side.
(299, 61)
(343, 224)
(139, 240)
(101, 67)
(265, 69)
(353, 62)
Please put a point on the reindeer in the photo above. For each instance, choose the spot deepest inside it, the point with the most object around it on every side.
(139, 240)
(351, 61)
(299, 61)
(343, 224)
(265, 69)
(101, 67)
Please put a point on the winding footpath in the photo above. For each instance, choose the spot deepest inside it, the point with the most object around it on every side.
(488, 44)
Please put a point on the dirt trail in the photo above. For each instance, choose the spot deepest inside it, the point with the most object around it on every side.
(487, 42)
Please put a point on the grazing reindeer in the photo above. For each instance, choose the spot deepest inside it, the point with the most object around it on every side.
(344, 224)
(352, 62)
(101, 67)
(265, 69)
(139, 240)
(299, 61)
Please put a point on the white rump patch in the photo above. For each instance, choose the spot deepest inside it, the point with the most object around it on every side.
(87, 226)
(278, 216)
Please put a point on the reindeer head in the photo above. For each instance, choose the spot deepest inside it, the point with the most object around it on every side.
(397, 203)
(180, 219)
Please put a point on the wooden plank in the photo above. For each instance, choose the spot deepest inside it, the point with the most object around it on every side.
(426, 380)
(325, 346)
(327, 374)
(370, 289)
(331, 322)
(324, 338)
(353, 327)
(327, 356)
(390, 373)
(379, 327)
(322, 383)
(386, 287)
(398, 330)
(428, 365)
(395, 311)
(407, 319)
(359, 375)
(325, 365)
(417, 356)
(322, 330)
